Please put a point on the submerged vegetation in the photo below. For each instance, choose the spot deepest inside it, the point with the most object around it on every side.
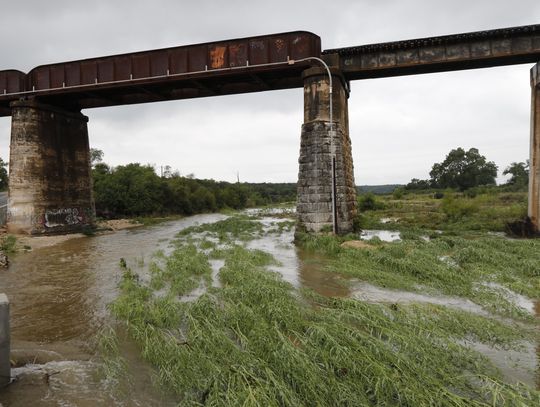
(488, 270)
(221, 329)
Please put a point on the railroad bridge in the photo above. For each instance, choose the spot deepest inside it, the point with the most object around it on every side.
(50, 189)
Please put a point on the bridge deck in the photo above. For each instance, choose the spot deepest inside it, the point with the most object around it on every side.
(481, 49)
(254, 64)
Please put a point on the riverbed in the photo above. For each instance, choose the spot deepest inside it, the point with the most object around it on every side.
(59, 296)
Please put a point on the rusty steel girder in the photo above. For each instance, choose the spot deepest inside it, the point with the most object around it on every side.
(233, 66)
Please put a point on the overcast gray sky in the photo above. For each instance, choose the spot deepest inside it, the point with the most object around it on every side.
(399, 126)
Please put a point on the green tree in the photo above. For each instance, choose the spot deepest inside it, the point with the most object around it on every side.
(418, 184)
(131, 189)
(462, 170)
(519, 174)
(3, 175)
(96, 156)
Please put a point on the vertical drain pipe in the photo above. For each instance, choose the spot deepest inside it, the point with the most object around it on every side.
(331, 134)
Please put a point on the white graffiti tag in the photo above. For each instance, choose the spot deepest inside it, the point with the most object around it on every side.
(62, 217)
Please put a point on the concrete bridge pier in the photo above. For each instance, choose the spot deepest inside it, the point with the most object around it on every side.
(314, 208)
(534, 162)
(50, 185)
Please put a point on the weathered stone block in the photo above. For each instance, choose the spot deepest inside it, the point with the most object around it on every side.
(318, 176)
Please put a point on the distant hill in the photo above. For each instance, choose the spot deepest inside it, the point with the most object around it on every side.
(378, 189)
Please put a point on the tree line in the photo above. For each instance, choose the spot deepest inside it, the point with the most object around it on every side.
(462, 170)
(137, 190)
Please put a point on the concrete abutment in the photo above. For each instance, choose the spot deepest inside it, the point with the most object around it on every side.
(534, 162)
(314, 208)
(50, 184)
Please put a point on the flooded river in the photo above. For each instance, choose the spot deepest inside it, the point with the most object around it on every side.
(59, 297)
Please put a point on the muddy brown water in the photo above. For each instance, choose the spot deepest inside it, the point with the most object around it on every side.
(59, 296)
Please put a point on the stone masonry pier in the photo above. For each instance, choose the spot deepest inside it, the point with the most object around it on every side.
(314, 206)
(50, 186)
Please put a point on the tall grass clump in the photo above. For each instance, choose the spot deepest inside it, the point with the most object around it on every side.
(8, 244)
(239, 227)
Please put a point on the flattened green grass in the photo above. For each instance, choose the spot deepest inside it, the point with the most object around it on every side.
(237, 227)
(476, 268)
(256, 341)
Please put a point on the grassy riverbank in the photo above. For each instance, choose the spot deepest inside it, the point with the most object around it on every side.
(221, 328)
(452, 211)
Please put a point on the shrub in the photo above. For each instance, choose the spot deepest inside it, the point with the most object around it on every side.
(398, 193)
(458, 208)
(438, 195)
(368, 202)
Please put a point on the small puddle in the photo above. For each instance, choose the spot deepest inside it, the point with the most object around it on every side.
(312, 275)
(370, 293)
(388, 220)
(514, 365)
(298, 267)
(517, 299)
(384, 235)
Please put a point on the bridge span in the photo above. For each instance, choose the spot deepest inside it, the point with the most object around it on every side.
(50, 187)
